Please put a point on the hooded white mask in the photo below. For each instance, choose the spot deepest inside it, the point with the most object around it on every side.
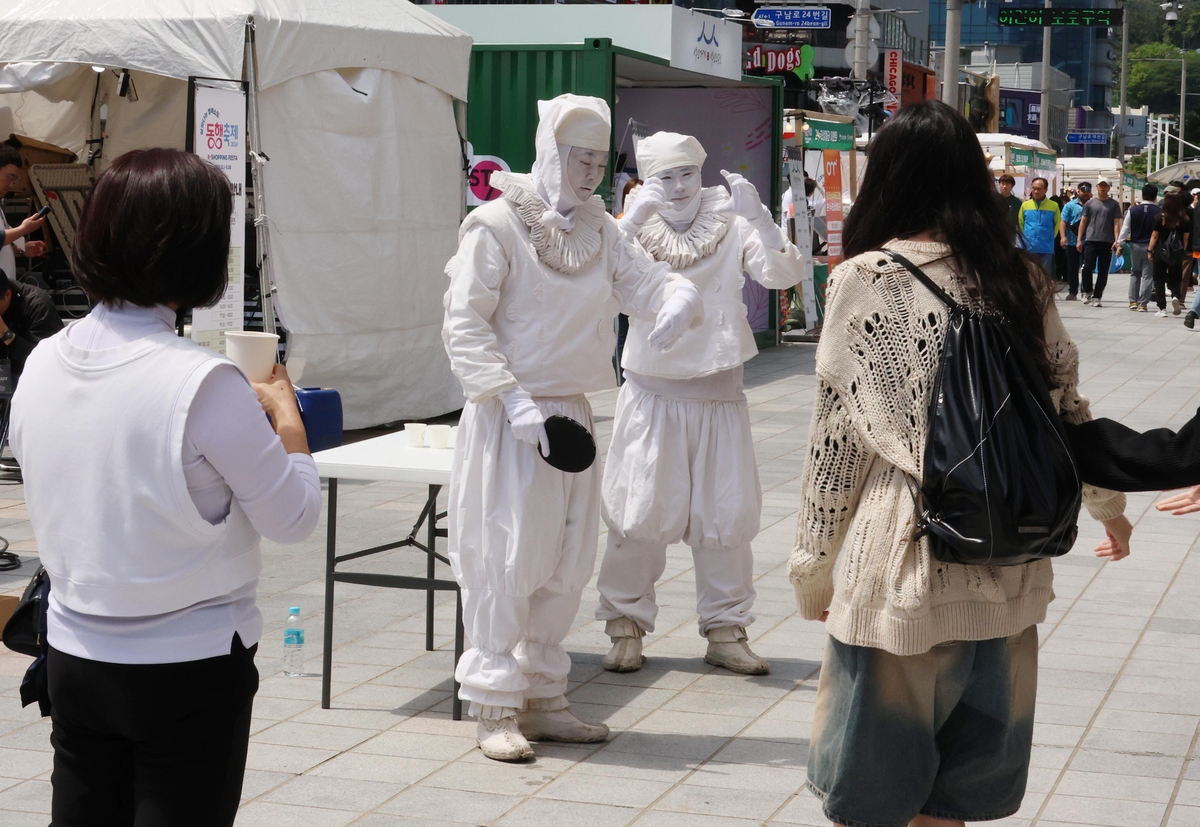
(566, 121)
(662, 151)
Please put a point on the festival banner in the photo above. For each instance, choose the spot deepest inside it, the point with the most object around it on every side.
(832, 160)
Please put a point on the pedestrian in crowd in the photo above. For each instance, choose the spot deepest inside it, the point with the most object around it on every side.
(14, 237)
(1038, 222)
(27, 316)
(1136, 229)
(1190, 319)
(1170, 241)
(1098, 228)
(151, 475)
(938, 657)
(1186, 278)
(1069, 238)
(1011, 202)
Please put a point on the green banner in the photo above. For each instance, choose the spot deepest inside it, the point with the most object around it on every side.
(1129, 180)
(828, 135)
(1018, 158)
(1044, 160)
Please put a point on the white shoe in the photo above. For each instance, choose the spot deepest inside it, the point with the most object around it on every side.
(501, 740)
(1096, 303)
(727, 647)
(1161, 314)
(558, 724)
(626, 653)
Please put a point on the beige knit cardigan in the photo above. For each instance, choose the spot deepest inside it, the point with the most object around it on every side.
(883, 335)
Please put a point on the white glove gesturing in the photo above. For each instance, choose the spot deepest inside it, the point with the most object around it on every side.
(650, 197)
(743, 198)
(676, 314)
(528, 422)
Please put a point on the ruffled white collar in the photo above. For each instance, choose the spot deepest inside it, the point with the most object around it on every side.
(562, 250)
(699, 240)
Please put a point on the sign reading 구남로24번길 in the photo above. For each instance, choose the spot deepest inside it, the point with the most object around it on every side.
(1070, 18)
(219, 137)
(811, 17)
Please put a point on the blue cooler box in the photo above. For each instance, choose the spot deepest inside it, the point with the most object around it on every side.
(321, 411)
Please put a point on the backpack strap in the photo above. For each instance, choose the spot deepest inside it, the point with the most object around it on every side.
(924, 279)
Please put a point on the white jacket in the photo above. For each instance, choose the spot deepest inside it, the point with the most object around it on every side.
(715, 254)
(533, 305)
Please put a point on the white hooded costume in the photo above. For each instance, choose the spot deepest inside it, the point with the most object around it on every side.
(681, 465)
(534, 288)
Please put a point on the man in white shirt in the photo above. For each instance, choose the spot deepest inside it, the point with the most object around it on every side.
(10, 175)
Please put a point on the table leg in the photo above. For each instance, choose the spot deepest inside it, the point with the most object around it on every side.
(456, 704)
(431, 539)
(330, 551)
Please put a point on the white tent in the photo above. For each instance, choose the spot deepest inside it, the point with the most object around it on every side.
(364, 184)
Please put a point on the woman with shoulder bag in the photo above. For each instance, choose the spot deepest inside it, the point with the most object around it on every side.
(151, 475)
(1168, 245)
(938, 657)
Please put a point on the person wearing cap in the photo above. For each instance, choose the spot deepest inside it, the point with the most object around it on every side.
(1038, 222)
(681, 465)
(538, 279)
(1098, 229)
(1068, 229)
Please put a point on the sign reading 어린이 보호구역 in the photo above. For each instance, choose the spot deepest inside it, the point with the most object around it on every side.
(832, 161)
(705, 44)
(219, 137)
(1069, 18)
(893, 76)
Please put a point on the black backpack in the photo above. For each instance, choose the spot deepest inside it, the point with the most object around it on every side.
(1169, 250)
(1000, 485)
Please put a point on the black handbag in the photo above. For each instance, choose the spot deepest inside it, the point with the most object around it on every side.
(1000, 484)
(25, 632)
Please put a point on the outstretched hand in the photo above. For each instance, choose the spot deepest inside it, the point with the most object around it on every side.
(1115, 545)
(743, 198)
(1184, 502)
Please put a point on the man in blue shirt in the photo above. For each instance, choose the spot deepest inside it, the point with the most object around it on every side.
(1072, 212)
(1038, 221)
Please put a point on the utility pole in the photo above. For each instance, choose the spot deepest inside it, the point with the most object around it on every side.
(1182, 98)
(1044, 117)
(862, 37)
(950, 64)
(1124, 84)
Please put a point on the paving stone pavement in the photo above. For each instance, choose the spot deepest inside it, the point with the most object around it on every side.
(1118, 712)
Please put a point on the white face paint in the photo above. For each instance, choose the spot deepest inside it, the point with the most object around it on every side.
(585, 170)
(681, 184)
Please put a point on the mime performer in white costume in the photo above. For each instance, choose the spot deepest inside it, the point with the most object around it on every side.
(538, 279)
(681, 465)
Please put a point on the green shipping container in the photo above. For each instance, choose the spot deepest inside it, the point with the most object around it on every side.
(507, 81)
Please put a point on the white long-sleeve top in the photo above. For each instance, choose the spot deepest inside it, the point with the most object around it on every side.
(229, 450)
(534, 305)
(715, 253)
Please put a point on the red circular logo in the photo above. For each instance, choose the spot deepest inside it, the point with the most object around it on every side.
(481, 177)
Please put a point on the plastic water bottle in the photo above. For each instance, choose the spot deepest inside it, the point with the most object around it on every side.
(293, 644)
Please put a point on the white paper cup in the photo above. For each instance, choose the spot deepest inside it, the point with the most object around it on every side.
(439, 436)
(450, 443)
(253, 352)
(415, 431)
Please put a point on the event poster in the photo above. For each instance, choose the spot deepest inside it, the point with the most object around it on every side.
(832, 159)
(802, 231)
(219, 118)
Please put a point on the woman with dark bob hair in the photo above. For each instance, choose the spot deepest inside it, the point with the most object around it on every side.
(924, 712)
(151, 476)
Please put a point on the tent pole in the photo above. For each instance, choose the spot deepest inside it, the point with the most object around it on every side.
(257, 159)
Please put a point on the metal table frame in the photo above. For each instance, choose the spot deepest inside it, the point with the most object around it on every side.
(429, 584)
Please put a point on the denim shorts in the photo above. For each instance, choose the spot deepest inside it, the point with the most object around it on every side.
(946, 734)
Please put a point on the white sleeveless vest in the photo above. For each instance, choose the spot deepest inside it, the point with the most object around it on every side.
(99, 435)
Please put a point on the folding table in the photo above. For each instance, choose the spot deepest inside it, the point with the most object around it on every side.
(391, 458)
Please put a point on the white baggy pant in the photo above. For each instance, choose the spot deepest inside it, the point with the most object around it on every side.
(522, 540)
(680, 469)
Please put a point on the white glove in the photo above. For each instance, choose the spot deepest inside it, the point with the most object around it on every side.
(676, 314)
(650, 197)
(744, 201)
(528, 423)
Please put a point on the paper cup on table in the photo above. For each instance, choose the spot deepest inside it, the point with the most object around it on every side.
(253, 352)
(439, 436)
(415, 432)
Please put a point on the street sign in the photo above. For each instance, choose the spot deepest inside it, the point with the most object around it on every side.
(1070, 18)
(808, 17)
(1087, 137)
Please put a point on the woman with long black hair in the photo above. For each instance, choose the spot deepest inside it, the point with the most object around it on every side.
(1169, 243)
(925, 706)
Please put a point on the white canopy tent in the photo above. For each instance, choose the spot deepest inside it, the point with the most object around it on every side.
(363, 189)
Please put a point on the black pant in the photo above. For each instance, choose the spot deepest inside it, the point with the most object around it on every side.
(156, 745)
(1167, 276)
(1096, 255)
(1072, 269)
